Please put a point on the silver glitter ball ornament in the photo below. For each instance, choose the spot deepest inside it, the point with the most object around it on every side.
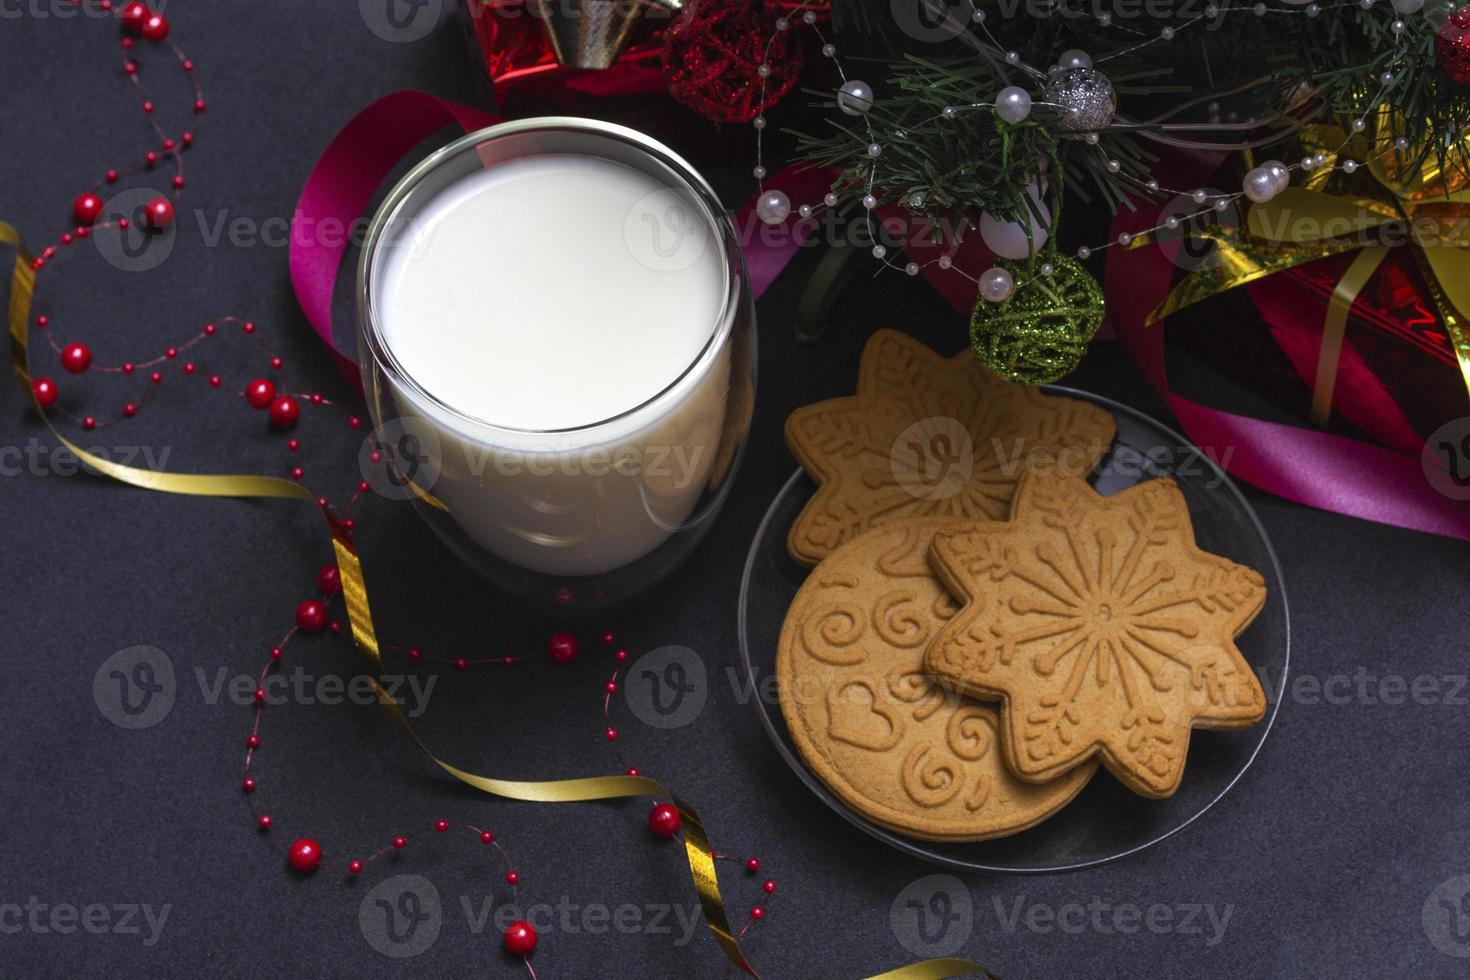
(1086, 98)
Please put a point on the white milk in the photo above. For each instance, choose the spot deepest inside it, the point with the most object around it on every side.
(561, 306)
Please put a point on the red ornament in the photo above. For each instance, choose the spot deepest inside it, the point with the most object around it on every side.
(133, 16)
(753, 865)
(305, 856)
(486, 837)
(563, 647)
(311, 616)
(520, 939)
(45, 392)
(354, 867)
(1452, 47)
(664, 820)
(159, 213)
(512, 878)
(76, 358)
(155, 27)
(260, 393)
(400, 842)
(87, 207)
(264, 822)
(441, 826)
(285, 413)
(713, 54)
(328, 580)
(757, 913)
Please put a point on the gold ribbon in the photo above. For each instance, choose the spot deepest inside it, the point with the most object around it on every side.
(359, 615)
(1331, 214)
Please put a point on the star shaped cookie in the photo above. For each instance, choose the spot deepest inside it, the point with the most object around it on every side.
(1102, 628)
(928, 436)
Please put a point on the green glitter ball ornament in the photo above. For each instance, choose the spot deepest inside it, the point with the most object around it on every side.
(1042, 331)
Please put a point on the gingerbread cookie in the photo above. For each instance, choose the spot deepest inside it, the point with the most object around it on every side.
(1102, 627)
(928, 436)
(894, 745)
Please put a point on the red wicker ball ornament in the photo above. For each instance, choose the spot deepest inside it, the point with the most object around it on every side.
(713, 54)
(1452, 47)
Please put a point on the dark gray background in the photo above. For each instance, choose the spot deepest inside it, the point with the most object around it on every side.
(1325, 855)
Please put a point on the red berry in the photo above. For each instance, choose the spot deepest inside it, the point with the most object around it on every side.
(260, 393)
(311, 616)
(632, 770)
(87, 208)
(511, 878)
(607, 639)
(248, 784)
(664, 820)
(563, 647)
(461, 664)
(155, 27)
(129, 410)
(769, 887)
(133, 16)
(520, 939)
(757, 913)
(486, 837)
(45, 392)
(264, 822)
(305, 856)
(752, 865)
(76, 358)
(159, 213)
(354, 867)
(89, 423)
(441, 826)
(284, 412)
(328, 580)
(611, 734)
(400, 842)
(621, 656)
(253, 742)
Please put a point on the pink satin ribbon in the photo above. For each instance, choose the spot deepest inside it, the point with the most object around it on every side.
(1318, 469)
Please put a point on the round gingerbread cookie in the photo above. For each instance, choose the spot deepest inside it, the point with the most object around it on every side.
(894, 744)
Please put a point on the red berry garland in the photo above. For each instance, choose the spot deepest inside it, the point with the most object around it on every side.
(1452, 47)
(714, 53)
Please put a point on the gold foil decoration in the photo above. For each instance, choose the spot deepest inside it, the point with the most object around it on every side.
(359, 614)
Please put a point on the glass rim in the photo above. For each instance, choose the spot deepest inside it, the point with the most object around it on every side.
(369, 325)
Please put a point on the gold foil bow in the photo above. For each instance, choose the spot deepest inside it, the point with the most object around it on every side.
(359, 615)
(1397, 197)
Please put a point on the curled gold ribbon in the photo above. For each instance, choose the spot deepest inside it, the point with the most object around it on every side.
(359, 615)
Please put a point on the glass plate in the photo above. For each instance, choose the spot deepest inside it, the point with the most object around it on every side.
(1106, 821)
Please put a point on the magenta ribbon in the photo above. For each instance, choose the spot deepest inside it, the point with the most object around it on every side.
(1329, 472)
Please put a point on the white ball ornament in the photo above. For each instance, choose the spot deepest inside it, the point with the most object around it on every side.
(996, 285)
(1008, 238)
(1074, 58)
(1013, 104)
(1280, 176)
(854, 97)
(773, 207)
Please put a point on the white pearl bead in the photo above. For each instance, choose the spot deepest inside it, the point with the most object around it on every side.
(809, 17)
(874, 150)
(1124, 238)
(764, 71)
(854, 97)
(1152, 185)
(1104, 20)
(1013, 58)
(869, 201)
(1397, 27)
(1349, 166)
(805, 210)
(1402, 143)
(759, 172)
(996, 284)
(1222, 204)
(759, 122)
(912, 268)
(830, 199)
(1211, 11)
(1171, 222)
(1313, 10)
(1013, 104)
(879, 252)
(1047, 269)
(828, 50)
(1084, 252)
(978, 16)
(1199, 196)
(1259, 185)
(773, 207)
(1259, 10)
(1359, 125)
(1280, 176)
(1114, 166)
(1075, 58)
(947, 112)
(782, 23)
(945, 262)
(1091, 139)
(1167, 33)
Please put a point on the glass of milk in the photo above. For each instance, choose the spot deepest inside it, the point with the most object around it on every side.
(557, 341)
